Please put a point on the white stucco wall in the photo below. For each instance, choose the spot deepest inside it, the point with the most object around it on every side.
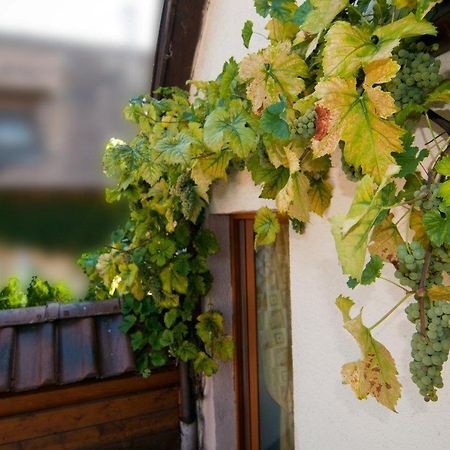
(327, 415)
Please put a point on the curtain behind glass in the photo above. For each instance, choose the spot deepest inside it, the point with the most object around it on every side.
(274, 344)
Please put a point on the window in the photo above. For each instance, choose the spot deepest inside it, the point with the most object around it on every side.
(263, 338)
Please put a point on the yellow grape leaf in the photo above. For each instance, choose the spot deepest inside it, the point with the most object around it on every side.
(351, 232)
(272, 72)
(322, 14)
(284, 155)
(404, 4)
(209, 168)
(416, 224)
(281, 31)
(360, 120)
(319, 195)
(293, 198)
(385, 239)
(375, 374)
(266, 226)
(439, 293)
(348, 47)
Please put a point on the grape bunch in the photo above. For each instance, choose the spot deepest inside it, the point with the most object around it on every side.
(411, 258)
(440, 257)
(418, 75)
(306, 124)
(351, 172)
(186, 192)
(427, 197)
(431, 351)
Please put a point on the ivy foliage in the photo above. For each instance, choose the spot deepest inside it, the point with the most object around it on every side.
(321, 85)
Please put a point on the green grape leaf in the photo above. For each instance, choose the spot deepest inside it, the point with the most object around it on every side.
(209, 326)
(315, 16)
(437, 292)
(424, 7)
(437, 226)
(320, 193)
(279, 9)
(158, 358)
(266, 226)
(441, 94)
(12, 295)
(293, 199)
(228, 78)
(224, 127)
(175, 149)
(262, 7)
(348, 47)
(247, 33)
(444, 192)
(224, 348)
(170, 317)
(137, 340)
(273, 122)
(360, 120)
(204, 364)
(370, 273)
(127, 323)
(173, 281)
(351, 232)
(443, 166)
(263, 171)
(205, 243)
(273, 72)
(187, 351)
(410, 158)
(375, 374)
(385, 239)
(167, 338)
(161, 250)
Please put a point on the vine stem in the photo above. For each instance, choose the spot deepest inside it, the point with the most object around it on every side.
(395, 284)
(391, 311)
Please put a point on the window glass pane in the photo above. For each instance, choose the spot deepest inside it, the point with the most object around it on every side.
(274, 344)
(67, 69)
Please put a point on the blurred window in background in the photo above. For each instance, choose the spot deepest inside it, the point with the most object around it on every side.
(67, 69)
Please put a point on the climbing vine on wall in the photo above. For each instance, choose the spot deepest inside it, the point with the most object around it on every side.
(349, 77)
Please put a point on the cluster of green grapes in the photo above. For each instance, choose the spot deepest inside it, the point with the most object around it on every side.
(306, 124)
(427, 197)
(351, 172)
(411, 258)
(185, 191)
(431, 351)
(419, 75)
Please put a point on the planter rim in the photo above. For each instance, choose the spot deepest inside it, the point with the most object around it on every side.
(58, 311)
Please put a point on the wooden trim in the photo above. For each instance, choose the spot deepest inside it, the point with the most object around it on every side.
(250, 215)
(179, 34)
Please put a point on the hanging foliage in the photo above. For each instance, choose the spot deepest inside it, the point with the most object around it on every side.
(336, 76)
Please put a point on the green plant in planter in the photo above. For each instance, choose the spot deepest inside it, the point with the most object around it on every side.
(323, 84)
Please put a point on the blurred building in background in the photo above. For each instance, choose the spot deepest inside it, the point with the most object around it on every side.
(62, 92)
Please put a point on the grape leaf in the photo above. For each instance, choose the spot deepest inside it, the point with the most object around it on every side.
(370, 273)
(348, 48)
(209, 326)
(437, 292)
(273, 72)
(228, 127)
(293, 198)
(385, 239)
(443, 167)
(187, 351)
(424, 7)
(351, 232)
(440, 94)
(263, 171)
(319, 194)
(315, 16)
(375, 374)
(273, 122)
(247, 33)
(437, 226)
(360, 121)
(281, 31)
(176, 149)
(204, 364)
(416, 224)
(410, 158)
(266, 226)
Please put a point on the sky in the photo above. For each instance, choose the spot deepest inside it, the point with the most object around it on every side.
(112, 22)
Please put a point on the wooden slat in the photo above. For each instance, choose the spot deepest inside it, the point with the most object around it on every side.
(12, 404)
(28, 426)
(118, 434)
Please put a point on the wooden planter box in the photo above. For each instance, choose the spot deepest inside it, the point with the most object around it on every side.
(68, 381)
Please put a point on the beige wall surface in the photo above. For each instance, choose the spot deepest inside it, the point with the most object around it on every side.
(327, 415)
